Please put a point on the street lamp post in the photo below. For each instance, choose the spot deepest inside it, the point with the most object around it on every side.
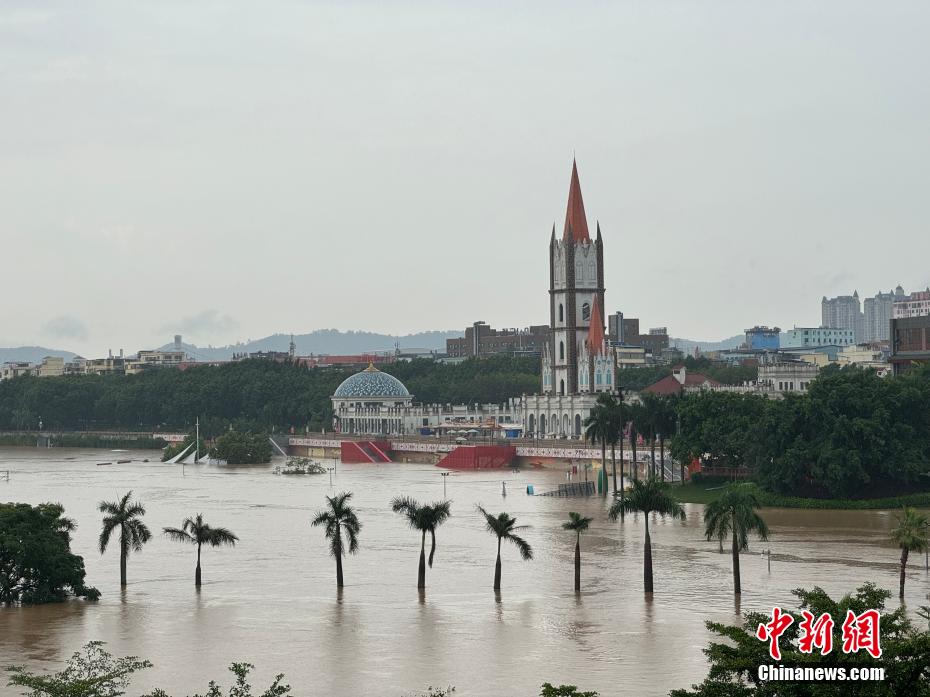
(444, 475)
(330, 470)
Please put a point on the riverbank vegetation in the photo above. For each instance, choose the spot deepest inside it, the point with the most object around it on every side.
(36, 562)
(249, 395)
(851, 435)
(94, 672)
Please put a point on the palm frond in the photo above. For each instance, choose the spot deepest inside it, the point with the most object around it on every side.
(109, 525)
(221, 536)
(526, 552)
(177, 535)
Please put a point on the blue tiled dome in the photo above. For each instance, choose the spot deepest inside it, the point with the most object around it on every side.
(371, 382)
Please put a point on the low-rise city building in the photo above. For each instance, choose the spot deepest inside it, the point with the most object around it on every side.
(147, 360)
(783, 377)
(481, 340)
(50, 367)
(910, 343)
(761, 338)
(682, 381)
(15, 369)
(913, 305)
(812, 337)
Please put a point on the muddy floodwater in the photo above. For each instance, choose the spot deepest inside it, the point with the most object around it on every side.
(272, 600)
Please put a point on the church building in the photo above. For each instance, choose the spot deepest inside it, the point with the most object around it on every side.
(577, 363)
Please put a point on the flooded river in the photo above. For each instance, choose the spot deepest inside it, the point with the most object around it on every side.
(272, 599)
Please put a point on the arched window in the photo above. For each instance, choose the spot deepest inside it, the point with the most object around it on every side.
(586, 312)
(561, 313)
(561, 387)
(561, 350)
(542, 425)
(577, 424)
(530, 423)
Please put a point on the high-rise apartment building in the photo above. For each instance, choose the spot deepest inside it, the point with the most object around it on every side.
(843, 312)
(877, 312)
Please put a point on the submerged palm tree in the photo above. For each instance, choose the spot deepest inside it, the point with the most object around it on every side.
(133, 533)
(647, 496)
(504, 527)
(426, 519)
(734, 514)
(337, 518)
(579, 524)
(195, 531)
(911, 536)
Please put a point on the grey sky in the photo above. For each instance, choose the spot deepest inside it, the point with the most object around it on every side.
(280, 167)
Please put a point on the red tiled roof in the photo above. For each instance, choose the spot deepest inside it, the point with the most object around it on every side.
(596, 330)
(669, 385)
(576, 223)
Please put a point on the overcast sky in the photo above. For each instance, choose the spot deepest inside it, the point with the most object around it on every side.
(227, 170)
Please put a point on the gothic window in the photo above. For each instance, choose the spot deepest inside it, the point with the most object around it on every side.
(561, 350)
(586, 312)
(561, 313)
(561, 387)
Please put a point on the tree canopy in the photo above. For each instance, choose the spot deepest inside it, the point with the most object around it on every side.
(852, 434)
(36, 563)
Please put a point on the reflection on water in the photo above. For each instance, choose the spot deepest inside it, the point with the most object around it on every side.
(272, 599)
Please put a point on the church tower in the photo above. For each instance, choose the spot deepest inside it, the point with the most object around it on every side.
(576, 288)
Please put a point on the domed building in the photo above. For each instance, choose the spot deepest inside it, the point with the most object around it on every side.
(371, 402)
(375, 403)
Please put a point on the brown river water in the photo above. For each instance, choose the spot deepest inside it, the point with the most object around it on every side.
(272, 600)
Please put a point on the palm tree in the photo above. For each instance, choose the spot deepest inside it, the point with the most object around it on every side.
(124, 515)
(426, 519)
(666, 416)
(579, 524)
(647, 496)
(734, 514)
(195, 531)
(337, 518)
(635, 412)
(647, 425)
(504, 527)
(910, 535)
(598, 425)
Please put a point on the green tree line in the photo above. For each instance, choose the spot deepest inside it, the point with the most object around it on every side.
(250, 395)
(852, 434)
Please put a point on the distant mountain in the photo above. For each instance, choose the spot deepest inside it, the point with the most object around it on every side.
(31, 354)
(687, 345)
(325, 341)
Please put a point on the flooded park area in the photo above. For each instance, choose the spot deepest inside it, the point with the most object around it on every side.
(272, 600)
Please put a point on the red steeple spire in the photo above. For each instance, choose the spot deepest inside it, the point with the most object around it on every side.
(576, 223)
(596, 330)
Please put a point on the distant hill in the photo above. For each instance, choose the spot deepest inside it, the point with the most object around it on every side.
(31, 354)
(687, 345)
(328, 341)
